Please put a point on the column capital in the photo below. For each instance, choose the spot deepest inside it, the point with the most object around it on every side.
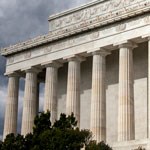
(75, 58)
(102, 52)
(52, 63)
(12, 74)
(32, 69)
(147, 36)
(126, 44)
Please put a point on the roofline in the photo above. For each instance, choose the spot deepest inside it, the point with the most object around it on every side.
(69, 11)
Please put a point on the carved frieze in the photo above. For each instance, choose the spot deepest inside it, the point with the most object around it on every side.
(10, 60)
(95, 35)
(99, 9)
(121, 27)
(92, 16)
(116, 3)
(48, 49)
(27, 55)
(147, 19)
(83, 38)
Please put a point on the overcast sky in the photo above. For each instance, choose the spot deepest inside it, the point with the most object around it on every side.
(20, 20)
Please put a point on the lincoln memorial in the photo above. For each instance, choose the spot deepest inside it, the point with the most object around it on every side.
(94, 62)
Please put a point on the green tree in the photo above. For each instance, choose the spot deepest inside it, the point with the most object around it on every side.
(97, 146)
(63, 135)
(13, 142)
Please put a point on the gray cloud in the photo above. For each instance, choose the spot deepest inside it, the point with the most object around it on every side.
(21, 20)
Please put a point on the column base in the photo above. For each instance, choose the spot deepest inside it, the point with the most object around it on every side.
(132, 145)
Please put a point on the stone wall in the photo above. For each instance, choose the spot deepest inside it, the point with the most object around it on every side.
(112, 66)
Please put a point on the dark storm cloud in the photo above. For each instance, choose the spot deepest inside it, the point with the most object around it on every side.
(24, 19)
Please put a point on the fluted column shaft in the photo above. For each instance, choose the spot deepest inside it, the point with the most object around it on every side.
(30, 102)
(148, 120)
(37, 98)
(98, 101)
(50, 102)
(73, 88)
(11, 112)
(126, 124)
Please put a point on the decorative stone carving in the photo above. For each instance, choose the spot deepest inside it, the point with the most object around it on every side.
(147, 19)
(116, 3)
(10, 60)
(93, 16)
(68, 20)
(98, 10)
(104, 7)
(78, 15)
(94, 35)
(48, 49)
(83, 38)
(27, 55)
(121, 27)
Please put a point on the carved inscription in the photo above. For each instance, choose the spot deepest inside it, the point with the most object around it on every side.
(97, 10)
(85, 38)
(90, 17)
(95, 35)
(147, 19)
(121, 27)
(48, 49)
(10, 60)
(27, 55)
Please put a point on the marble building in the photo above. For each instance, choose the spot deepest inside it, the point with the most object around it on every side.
(95, 63)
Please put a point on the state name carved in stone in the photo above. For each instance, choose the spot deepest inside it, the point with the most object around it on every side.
(86, 37)
(90, 17)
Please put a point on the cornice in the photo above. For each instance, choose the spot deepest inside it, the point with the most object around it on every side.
(70, 11)
(138, 8)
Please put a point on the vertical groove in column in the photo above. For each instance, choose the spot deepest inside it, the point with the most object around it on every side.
(37, 98)
(98, 101)
(148, 101)
(11, 112)
(50, 102)
(73, 89)
(126, 127)
(29, 104)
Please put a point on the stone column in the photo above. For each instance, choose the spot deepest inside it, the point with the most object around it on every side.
(73, 88)
(37, 98)
(30, 101)
(50, 101)
(126, 124)
(11, 112)
(98, 101)
(148, 105)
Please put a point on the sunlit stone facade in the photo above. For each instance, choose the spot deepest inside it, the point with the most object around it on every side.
(95, 63)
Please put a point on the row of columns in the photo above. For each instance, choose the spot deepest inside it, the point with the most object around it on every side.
(126, 127)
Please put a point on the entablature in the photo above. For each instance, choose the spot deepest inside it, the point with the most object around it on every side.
(134, 30)
(87, 17)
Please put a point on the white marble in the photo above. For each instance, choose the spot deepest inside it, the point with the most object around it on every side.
(98, 100)
(30, 101)
(50, 101)
(11, 111)
(73, 88)
(126, 121)
(110, 108)
(148, 134)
